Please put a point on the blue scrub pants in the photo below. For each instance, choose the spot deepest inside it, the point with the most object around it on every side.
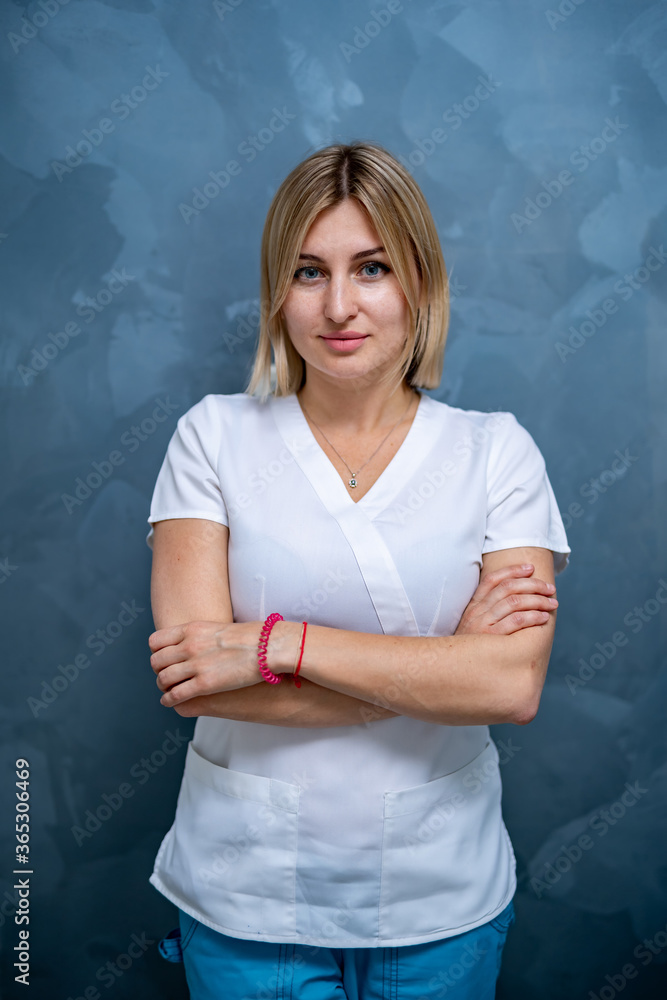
(218, 967)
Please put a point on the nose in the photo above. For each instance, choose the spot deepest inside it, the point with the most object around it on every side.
(340, 299)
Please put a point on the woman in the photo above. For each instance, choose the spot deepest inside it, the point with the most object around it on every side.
(344, 837)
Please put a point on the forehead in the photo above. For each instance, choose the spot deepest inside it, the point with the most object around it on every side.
(345, 225)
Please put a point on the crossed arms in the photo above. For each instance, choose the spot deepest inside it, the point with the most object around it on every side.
(491, 670)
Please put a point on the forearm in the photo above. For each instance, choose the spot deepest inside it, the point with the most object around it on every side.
(450, 680)
(283, 704)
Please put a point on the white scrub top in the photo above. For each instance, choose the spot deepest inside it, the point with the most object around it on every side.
(388, 832)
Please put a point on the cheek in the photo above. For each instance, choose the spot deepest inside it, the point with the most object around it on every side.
(296, 308)
(290, 313)
(391, 305)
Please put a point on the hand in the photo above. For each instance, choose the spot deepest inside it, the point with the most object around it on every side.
(506, 601)
(202, 658)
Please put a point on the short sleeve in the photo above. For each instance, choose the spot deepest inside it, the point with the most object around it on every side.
(188, 484)
(521, 506)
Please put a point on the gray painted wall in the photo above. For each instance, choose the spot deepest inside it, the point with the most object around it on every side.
(165, 94)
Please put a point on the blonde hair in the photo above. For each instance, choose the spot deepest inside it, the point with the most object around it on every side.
(399, 212)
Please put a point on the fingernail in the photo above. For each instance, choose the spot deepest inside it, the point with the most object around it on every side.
(552, 600)
(526, 566)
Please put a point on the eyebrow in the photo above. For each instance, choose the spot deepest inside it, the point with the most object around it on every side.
(356, 256)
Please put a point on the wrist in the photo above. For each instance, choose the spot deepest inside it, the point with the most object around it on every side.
(283, 647)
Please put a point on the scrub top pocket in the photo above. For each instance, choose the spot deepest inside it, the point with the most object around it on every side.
(230, 856)
(441, 868)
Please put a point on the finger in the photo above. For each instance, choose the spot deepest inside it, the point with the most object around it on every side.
(166, 656)
(166, 637)
(515, 603)
(534, 584)
(523, 586)
(175, 674)
(179, 693)
(498, 576)
(519, 620)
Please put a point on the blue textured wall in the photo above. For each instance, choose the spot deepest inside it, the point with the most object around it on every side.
(539, 137)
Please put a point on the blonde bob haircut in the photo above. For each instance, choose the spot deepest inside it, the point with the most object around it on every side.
(399, 213)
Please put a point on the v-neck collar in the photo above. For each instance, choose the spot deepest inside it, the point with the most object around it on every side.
(355, 519)
(322, 473)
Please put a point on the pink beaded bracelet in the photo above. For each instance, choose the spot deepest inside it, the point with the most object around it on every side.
(265, 670)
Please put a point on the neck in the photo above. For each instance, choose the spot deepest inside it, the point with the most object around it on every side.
(353, 409)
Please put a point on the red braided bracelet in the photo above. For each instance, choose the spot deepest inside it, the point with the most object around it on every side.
(298, 666)
(265, 670)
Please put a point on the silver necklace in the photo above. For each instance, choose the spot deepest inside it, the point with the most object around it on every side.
(352, 482)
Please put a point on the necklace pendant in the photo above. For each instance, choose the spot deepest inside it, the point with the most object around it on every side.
(353, 482)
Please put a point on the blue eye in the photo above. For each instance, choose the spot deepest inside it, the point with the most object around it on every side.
(301, 272)
(376, 264)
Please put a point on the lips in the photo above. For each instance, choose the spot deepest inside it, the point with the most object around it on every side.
(344, 335)
(346, 340)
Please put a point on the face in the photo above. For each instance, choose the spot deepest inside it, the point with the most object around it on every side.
(346, 313)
